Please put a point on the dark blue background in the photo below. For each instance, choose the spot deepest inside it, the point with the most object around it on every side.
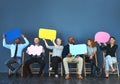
(78, 18)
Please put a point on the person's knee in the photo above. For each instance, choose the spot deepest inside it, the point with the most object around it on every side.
(80, 59)
(108, 57)
(64, 60)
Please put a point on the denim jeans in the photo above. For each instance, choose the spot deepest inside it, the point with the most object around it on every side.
(109, 61)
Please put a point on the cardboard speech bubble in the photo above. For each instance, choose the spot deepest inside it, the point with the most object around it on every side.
(49, 34)
(102, 37)
(78, 49)
(13, 34)
(34, 50)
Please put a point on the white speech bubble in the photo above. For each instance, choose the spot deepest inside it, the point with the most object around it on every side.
(34, 50)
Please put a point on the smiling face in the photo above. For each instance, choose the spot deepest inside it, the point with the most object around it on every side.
(58, 41)
(112, 40)
(89, 43)
(71, 40)
(36, 40)
(17, 41)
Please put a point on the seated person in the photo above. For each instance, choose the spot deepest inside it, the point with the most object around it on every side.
(56, 55)
(35, 57)
(69, 58)
(91, 53)
(110, 58)
(16, 53)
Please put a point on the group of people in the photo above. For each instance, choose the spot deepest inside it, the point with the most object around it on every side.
(61, 53)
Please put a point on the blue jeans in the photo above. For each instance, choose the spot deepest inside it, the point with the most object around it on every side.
(109, 61)
(14, 64)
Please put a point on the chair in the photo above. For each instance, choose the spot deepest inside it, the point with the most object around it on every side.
(115, 65)
(60, 68)
(34, 68)
(21, 70)
(73, 70)
(87, 70)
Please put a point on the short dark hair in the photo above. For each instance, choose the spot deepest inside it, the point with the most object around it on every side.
(112, 37)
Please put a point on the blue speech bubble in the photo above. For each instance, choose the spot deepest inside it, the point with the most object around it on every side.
(78, 49)
(12, 34)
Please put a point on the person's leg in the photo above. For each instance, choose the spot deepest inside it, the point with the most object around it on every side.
(9, 63)
(93, 66)
(42, 65)
(65, 63)
(27, 64)
(58, 60)
(107, 67)
(18, 64)
(53, 63)
(110, 62)
(79, 62)
(66, 60)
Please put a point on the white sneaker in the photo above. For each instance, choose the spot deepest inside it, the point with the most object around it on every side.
(56, 76)
(50, 69)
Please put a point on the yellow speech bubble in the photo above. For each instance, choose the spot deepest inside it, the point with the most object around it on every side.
(49, 34)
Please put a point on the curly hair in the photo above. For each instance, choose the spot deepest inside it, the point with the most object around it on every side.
(93, 44)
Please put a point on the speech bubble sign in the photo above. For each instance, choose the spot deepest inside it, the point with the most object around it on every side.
(78, 49)
(12, 34)
(35, 50)
(102, 37)
(49, 34)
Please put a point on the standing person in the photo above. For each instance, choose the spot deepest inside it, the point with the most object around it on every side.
(110, 58)
(36, 58)
(16, 53)
(91, 53)
(56, 55)
(69, 58)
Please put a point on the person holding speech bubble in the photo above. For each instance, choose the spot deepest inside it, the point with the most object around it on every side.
(36, 53)
(16, 53)
(67, 57)
(56, 55)
(110, 57)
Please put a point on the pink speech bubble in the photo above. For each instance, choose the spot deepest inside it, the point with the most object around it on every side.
(34, 50)
(102, 37)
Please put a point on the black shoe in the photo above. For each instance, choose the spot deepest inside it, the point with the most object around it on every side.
(10, 75)
(106, 77)
(17, 74)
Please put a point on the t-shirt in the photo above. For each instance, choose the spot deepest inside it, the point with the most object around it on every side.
(57, 50)
(91, 50)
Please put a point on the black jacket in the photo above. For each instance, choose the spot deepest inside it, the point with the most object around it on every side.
(66, 51)
(109, 51)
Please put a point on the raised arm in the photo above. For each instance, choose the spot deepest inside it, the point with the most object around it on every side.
(54, 42)
(26, 41)
(46, 44)
(4, 42)
(102, 47)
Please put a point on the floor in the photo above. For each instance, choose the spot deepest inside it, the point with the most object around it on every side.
(4, 79)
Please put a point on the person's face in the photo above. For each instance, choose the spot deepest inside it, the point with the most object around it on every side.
(112, 41)
(89, 43)
(58, 41)
(36, 40)
(71, 40)
(17, 41)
